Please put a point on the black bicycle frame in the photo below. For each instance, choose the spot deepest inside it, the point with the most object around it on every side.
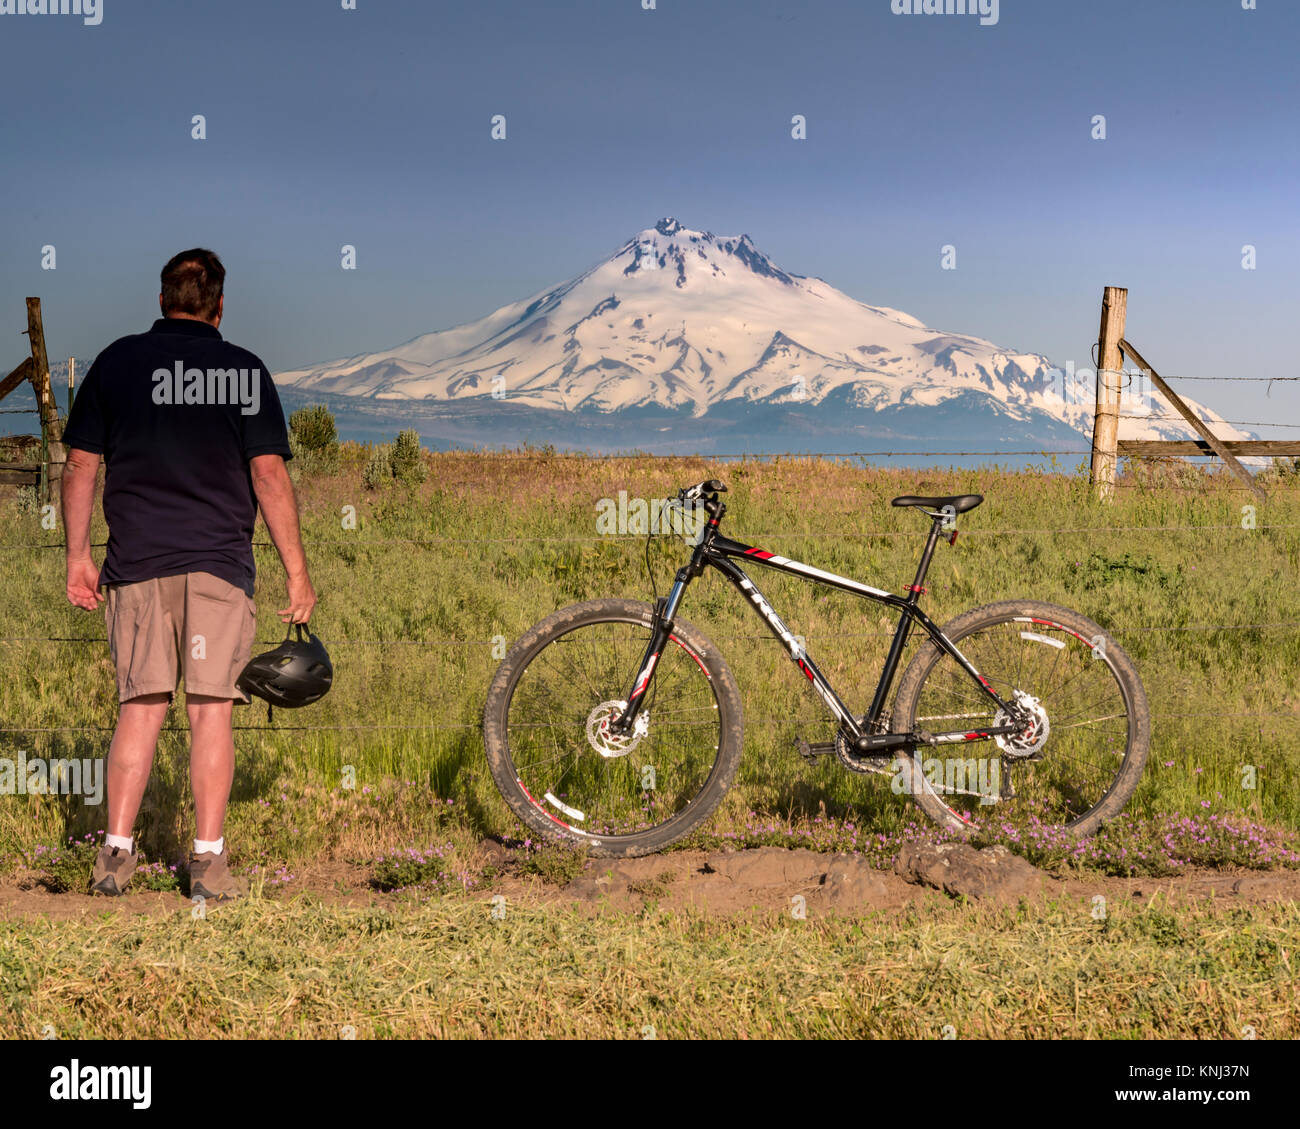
(716, 551)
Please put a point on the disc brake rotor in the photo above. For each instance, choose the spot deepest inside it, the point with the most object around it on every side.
(601, 735)
(1030, 741)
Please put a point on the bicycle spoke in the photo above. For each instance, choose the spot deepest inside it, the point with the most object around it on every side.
(623, 789)
(1079, 698)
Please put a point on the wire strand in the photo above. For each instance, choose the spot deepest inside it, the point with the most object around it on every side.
(613, 538)
(425, 726)
(718, 639)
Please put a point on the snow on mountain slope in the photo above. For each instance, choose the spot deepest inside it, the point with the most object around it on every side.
(690, 321)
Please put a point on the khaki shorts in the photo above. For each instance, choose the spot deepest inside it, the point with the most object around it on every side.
(194, 624)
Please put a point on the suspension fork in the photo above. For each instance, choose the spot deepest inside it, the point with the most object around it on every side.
(665, 616)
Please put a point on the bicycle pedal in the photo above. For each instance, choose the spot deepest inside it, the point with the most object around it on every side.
(810, 752)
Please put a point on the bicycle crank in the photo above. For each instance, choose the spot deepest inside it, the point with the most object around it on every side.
(880, 763)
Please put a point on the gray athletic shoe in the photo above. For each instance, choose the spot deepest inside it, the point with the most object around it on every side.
(113, 870)
(211, 880)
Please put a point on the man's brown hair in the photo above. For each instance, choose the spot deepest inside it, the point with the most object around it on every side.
(192, 283)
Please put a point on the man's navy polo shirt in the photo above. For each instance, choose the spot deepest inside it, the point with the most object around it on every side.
(177, 413)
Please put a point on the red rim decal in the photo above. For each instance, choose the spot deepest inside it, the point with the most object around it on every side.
(1060, 627)
(693, 655)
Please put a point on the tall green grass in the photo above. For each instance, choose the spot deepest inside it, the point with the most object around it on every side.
(517, 538)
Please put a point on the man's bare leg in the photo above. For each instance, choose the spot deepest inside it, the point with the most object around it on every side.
(212, 761)
(130, 758)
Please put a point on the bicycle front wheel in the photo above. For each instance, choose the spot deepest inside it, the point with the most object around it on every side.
(551, 753)
(1079, 761)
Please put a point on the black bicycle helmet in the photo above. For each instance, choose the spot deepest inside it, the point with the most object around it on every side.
(297, 673)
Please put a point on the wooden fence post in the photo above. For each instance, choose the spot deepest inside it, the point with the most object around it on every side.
(54, 454)
(1105, 424)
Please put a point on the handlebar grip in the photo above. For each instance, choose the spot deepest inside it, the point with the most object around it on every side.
(700, 489)
(708, 486)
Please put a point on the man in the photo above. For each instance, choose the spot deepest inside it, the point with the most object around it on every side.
(193, 440)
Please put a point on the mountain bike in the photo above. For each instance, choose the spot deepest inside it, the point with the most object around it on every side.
(615, 724)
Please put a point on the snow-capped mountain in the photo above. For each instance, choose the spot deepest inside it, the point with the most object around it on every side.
(681, 325)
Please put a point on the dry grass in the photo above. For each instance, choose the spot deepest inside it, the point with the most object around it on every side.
(306, 969)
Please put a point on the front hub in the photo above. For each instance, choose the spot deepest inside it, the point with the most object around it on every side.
(602, 736)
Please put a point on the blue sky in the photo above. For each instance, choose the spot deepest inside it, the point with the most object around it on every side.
(372, 127)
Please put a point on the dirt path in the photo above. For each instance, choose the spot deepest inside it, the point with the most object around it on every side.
(767, 878)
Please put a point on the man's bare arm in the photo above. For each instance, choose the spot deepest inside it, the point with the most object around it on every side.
(280, 512)
(78, 490)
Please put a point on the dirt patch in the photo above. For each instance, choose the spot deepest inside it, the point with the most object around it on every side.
(773, 878)
(26, 899)
(720, 882)
(961, 870)
(23, 894)
(723, 882)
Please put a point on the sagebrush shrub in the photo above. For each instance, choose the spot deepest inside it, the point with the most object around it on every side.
(378, 471)
(408, 466)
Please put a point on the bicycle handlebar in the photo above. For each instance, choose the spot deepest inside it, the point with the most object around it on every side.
(708, 486)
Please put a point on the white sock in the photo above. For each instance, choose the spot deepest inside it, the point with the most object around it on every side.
(205, 846)
(124, 841)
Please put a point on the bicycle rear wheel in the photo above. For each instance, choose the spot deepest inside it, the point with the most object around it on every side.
(1078, 765)
(553, 758)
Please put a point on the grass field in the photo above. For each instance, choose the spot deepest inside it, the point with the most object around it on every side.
(310, 969)
(412, 626)
(416, 603)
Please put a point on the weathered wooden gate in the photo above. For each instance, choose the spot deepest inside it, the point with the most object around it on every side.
(1106, 444)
